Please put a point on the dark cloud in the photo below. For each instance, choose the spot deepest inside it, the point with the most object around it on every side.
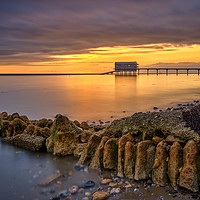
(47, 27)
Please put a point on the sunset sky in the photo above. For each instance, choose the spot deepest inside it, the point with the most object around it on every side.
(90, 35)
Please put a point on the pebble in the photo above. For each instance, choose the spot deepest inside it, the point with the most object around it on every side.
(87, 194)
(136, 190)
(115, 191)
(73, 189)
(111, 184)
(85, 198)
(106, 181)
(116, 179)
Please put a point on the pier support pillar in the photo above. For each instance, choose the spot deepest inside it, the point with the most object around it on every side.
(157, 71)
(166, 71)
(187, 71)
(147, 71)
(176, 71)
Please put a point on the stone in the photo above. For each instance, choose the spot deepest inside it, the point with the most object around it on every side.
(63, 140)
(110, 154)
(129, 160)
(171, 139)
(73, 189)
(50, 179)
(17, 126)
(44, 132)
(30, 129)
(175, 163)
(25, 119)
(169, 122)
(77, 123)
(85, 135)
(42, 122)
(4, 115)
(144, 160)
(84, 126)
(121, 150)
(79, 149)
(4, 128)
(156, 140)
(115, 191)
(188, 174)
(97, 160)
(29, 142)
(101, 195)
(106, 181)
(89, 150)
(159, 175)
(13, 116)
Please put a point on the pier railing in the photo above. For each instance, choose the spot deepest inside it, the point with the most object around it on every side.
(145, 70)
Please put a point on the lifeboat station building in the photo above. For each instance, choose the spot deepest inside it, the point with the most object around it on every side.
(126, 68)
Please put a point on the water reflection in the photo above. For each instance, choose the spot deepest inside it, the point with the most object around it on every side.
(94, 97)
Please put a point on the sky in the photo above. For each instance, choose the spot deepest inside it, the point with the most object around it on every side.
(90, 35)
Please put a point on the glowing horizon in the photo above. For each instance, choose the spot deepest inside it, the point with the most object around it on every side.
(102, 59)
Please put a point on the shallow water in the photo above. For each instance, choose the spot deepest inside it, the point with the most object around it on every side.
(82, 98)
(94, 97)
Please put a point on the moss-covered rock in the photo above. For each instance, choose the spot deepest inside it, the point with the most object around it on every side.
(188, 175)
(129, 159)
(121, 150)
(175, 163)
(144, 160)
(64, 136)
(97, 160)
(159, 174)
(110, 154)
(25, 141)
(89, 150)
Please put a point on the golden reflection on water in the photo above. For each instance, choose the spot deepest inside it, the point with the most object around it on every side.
(104, 97)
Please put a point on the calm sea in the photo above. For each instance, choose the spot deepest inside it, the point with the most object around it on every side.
(94, 97)
(83, 98)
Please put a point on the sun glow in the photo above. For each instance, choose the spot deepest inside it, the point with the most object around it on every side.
(102, 59)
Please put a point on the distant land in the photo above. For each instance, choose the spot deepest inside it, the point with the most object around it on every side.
(173, 65)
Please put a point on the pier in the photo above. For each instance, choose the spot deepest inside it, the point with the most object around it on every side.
(156, 71)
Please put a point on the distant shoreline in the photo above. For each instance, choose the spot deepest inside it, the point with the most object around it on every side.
(47, 74)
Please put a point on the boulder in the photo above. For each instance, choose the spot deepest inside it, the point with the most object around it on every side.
(25, 141)
(89, 150)
(171, 139)
(44, 123)
(4, 115)
(156, 140)
(110, 154)
(77, 123)
(64, 136)
(100, 195)
(4, 128)
(97, 160)
(144, 160)
(129, 160)
(44, 132)
(159, 174)
(79, 149)
(121, 150)
(17, 126)
(25, 119)
(13, 116)
(84, 126)
(30, 129)
(85, 135)
(175, 163)
(188, 175)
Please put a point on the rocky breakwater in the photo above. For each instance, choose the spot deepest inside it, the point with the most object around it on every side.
(162, 146)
